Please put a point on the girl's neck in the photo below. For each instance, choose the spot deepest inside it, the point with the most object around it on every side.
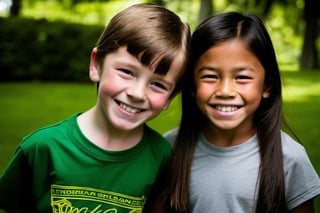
(230, 137)
(98, 131)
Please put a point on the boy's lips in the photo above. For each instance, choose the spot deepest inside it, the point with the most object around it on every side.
(128, 108)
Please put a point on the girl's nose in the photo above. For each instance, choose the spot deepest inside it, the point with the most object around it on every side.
(225, 89)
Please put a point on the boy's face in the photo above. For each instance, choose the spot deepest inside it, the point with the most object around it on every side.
(129, 93)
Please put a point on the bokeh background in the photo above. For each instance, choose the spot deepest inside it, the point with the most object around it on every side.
(45, 47)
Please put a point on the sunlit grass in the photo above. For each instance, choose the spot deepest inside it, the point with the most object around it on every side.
(302, 88)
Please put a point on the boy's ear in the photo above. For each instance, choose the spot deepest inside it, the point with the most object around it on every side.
(166, 106)
(172, 96)
(94, 68)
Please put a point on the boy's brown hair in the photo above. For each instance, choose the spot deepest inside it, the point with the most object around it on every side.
(150, 32)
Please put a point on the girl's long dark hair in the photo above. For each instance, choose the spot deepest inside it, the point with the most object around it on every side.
(268, 117)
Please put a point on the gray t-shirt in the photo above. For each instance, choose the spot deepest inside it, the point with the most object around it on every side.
(224, 179)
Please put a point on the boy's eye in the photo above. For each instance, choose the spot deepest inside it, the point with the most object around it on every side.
(159, 85)
(127, 72)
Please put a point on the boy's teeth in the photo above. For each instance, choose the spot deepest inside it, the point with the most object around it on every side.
(226, 108)
(129, 109)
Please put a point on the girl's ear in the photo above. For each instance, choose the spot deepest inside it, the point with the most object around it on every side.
(266, 92)
(94, 68)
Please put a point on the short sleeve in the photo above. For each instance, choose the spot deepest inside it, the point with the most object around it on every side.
(302, 181)
(14, 182)
(171, 135)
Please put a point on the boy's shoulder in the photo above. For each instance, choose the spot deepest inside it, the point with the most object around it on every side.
(156, 138)
(48, 132)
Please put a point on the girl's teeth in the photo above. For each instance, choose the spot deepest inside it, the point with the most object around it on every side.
(129, 109)
(226, 108)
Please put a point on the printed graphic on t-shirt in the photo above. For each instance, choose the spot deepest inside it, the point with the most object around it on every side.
(66, 199)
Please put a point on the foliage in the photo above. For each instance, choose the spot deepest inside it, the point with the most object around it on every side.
(285, 18)
(42, 50)
(286, 39)
(85, 12)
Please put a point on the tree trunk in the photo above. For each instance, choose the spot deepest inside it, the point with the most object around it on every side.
(309, 57)
(206, 10)
(15, 8)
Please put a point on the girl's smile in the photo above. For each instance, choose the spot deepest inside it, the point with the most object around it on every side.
(226, 108)
(230, 85)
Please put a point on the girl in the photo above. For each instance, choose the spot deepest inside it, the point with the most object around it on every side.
(230, 154)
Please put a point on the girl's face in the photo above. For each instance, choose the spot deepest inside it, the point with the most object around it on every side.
(129, 92)
(229, 86)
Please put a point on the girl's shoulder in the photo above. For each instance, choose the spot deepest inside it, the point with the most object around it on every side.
(295, 156)
(292, 148)
(171, 135)
(302, 180)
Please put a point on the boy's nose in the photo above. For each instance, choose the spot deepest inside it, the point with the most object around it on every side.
(137, 92)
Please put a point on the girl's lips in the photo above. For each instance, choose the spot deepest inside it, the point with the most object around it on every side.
(226, 108)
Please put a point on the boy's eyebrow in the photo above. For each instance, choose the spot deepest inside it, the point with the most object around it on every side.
(130, 64)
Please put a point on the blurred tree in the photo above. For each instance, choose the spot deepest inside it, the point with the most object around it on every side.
(206, 10)
(15, 8)
(160, 2)
(309, 53)
(309, 56)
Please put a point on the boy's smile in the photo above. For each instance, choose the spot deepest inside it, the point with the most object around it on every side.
(129, 109)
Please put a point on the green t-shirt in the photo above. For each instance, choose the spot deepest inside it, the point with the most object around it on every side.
(57, 169)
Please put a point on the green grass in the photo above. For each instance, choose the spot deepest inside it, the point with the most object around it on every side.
(27, 106)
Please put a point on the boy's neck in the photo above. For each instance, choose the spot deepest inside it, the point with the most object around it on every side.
(93, 127)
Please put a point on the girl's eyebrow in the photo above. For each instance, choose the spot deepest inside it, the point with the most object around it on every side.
(207, 68)
(244, 68)
(237, 69)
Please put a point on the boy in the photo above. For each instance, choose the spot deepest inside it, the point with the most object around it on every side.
(106, 159)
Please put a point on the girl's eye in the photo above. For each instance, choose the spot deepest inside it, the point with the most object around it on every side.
(243, 77)
(209, 76)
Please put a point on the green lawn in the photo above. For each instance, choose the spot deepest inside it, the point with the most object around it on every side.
(27, 106)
